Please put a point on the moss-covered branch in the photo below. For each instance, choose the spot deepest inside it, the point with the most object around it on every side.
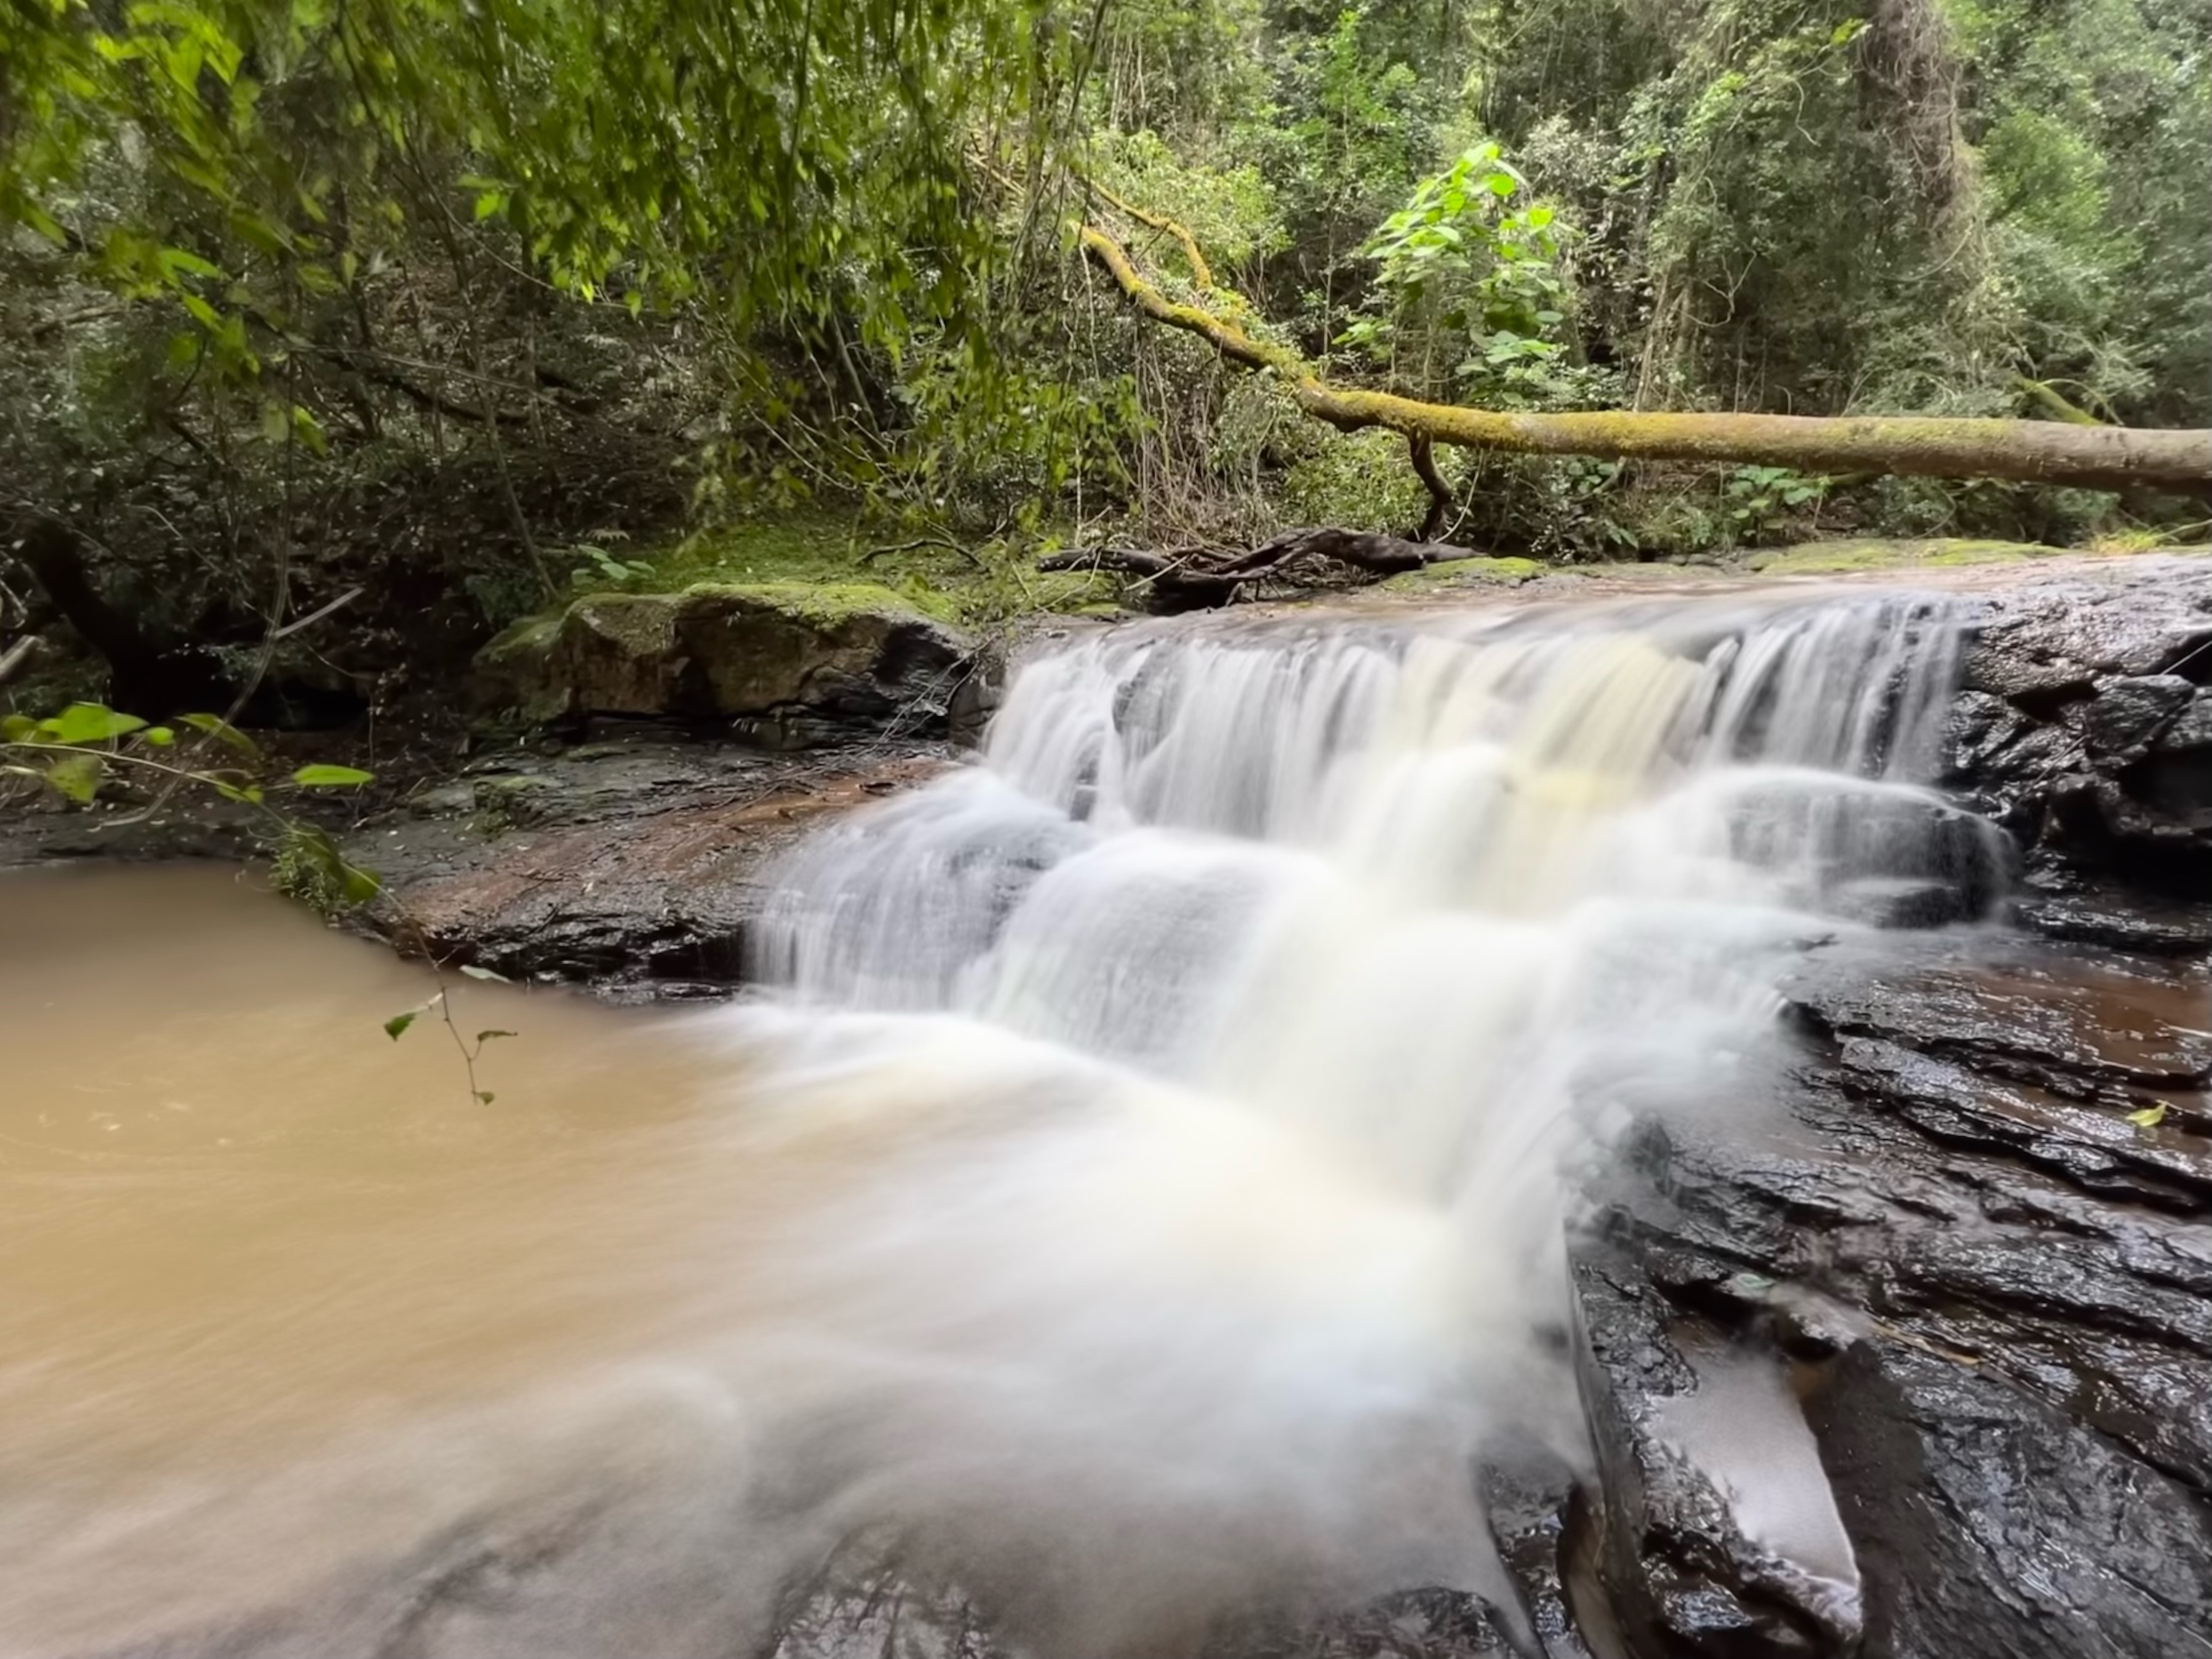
(2040, 452)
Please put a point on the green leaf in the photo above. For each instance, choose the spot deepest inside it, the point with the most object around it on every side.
(223, 732)
(2150, 1117)
(331, 777)
(77, 777)
(16, 729)
(159, 736)
(483, 1037)
(474, 972)
(176, 261)
(249, 793)
(398, 1025)
(484, 1096)
(89, 722)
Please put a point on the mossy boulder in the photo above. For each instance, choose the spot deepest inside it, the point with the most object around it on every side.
(785, 664)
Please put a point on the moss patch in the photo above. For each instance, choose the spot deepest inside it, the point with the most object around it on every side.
(1466, 572)
(826, 604)
(853, 566)
(1875, 553)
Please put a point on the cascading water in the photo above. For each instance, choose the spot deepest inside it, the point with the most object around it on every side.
(1144, 1203)
(1293, 969)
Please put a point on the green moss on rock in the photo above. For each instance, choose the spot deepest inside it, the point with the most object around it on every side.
(827, 604)
(1469, 572)
(842, 650)
(1877, 553)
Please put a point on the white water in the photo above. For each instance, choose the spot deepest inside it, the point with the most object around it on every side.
(1143, 1204)
(1384, 930)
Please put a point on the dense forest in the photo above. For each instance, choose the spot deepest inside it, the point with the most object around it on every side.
(417, 315)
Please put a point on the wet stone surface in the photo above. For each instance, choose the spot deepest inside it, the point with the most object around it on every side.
(632, 863)
(1995, 1288)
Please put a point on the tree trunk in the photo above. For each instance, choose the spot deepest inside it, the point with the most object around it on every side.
(2039, 452)
(146, 675)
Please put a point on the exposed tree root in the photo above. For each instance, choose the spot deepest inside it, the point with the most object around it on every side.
(1199, 578)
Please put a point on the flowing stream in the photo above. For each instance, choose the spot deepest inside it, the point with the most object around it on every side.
(1141, 1203)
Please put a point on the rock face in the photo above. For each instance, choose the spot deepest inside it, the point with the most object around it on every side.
(1962, 1227)
(784, 666)
(2085, 725)
(1990, 1286)
(631, 866)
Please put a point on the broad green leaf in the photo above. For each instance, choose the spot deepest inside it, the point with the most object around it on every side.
(331, 777)
(17, 728)
(2150, 1117)
(398, 1025)
(159, 736)
(176, 261)
(77, 777)
(89, 722)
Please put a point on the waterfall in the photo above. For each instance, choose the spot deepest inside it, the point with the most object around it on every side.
(1229, 1040)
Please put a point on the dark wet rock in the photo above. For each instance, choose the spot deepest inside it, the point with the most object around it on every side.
(631, 864)
(781, 666)
(2084, 726)
(2058, 905)
(1678, 1570)
(1976, 1219)
(1894, 858)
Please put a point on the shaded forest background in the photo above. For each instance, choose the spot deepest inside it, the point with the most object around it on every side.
(432, 311)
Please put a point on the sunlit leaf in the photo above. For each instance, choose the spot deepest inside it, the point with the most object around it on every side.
(331, 777)
(89, 722)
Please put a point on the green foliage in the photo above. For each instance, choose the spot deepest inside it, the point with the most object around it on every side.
(601, 570)
(1470, 270)
(81, 751)
(282, 262)
(1761, 502)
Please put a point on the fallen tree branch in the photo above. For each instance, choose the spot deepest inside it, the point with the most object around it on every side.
(2038, 452)
(1201, 272)
(1194, 577)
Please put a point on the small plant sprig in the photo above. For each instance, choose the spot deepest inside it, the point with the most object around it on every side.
(441, 1004)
